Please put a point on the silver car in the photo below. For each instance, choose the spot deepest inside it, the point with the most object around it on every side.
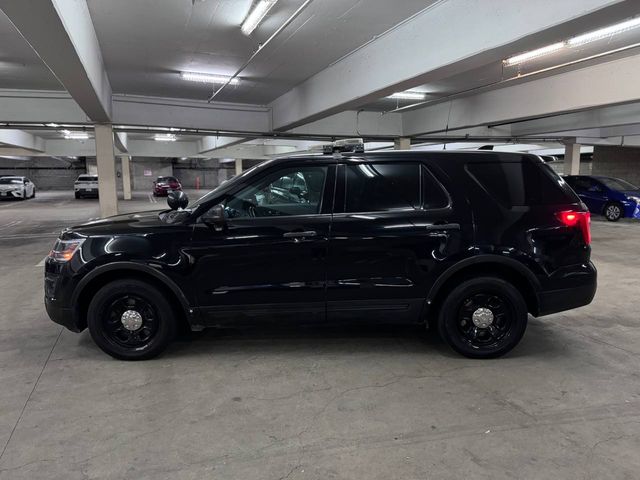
(17, 187)
(86, 186)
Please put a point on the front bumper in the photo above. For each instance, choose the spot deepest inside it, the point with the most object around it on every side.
(61, 315)
(581, 293)
(11, 194)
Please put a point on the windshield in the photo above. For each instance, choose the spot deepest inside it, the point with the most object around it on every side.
(9, 180)
(87, 178)
(617, 184)
(166, 179)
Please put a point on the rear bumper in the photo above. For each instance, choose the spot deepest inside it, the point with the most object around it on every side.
(554, 301)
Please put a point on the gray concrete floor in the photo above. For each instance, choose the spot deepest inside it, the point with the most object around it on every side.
(353, 403)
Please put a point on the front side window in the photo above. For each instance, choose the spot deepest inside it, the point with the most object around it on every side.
(290, 191)
(376, 187)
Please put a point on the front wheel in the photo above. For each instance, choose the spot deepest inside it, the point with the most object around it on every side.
(131, 320)
(613, 212)
(484, 317)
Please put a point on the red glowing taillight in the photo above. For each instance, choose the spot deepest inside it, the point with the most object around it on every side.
(577, 219)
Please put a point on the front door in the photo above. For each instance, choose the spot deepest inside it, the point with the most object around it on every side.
(270, 259)
(393, 225)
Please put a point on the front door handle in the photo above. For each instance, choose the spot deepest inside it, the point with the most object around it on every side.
(309, 233)
(443, 226)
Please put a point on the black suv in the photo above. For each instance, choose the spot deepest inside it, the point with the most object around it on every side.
(468, 243)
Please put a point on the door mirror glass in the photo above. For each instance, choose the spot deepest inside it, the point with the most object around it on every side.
(177, 200)
(215, 217)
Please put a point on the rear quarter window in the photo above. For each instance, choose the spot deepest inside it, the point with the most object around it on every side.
(521, 183)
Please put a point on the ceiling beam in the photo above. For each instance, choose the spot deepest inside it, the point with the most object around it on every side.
(61, 33)
(210, 143)
(430, 46)
(587, 88)
(21, 139)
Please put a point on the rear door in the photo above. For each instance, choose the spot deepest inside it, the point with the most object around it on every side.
(393, 224)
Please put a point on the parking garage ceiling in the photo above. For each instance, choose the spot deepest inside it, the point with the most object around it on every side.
(362, 52)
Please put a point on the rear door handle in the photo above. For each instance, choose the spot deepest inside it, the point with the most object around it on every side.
(309, 233)
(442, 226)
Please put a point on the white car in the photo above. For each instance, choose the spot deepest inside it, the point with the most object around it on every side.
(17, 187)
(86, 186)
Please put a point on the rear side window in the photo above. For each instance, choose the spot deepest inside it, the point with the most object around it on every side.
(375, 187)
(521, 183)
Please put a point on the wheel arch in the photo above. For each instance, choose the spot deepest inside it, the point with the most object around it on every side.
(484, 265)
(100, 276)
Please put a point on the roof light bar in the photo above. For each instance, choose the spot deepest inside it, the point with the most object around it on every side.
(164, 137)
(539, 52)
(408, 95)
(206, 78)
(255, 15)
(604, 32)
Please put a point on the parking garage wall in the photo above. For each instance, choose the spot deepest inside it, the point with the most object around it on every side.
(621, 162)
(47, 173)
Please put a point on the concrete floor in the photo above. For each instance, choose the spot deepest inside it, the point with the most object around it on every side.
(356, 403)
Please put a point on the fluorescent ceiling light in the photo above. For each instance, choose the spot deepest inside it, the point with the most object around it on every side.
(206, 78)
(69, 135)
(525, 57)
(164, 137)
(604, 32)
(408, 95)
(52, 125)
(255, 15)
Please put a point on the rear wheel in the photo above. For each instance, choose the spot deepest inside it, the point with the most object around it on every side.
(484, 317)
(131, 320)
(613, 211)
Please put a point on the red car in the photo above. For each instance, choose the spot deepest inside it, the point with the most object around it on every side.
(163, 185)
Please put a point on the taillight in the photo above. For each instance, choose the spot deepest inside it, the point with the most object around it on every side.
(577, 219)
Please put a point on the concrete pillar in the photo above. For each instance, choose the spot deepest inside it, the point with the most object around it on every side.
(238, 166)
(106, 170)
(126, 177)
(402, 143)
(572, 159)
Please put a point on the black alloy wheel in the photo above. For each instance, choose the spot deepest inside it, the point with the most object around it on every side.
(484, 317)
(131, 320)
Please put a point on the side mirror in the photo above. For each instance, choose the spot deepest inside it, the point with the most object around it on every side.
(215, 218)
(177, 199)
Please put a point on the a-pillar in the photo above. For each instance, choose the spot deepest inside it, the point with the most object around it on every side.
(238, 166)
(106, 162)
(402, 143)
(572, 159)
(126, 177)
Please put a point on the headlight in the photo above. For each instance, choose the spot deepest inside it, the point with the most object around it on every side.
(634, 199)
(63, 250)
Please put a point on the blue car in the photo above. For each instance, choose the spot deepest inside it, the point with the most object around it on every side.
(612, 197)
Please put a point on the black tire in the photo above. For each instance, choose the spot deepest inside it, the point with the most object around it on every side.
(77, 195)
(33, 195)
(157, 317)
(613, 211)
(508, 318)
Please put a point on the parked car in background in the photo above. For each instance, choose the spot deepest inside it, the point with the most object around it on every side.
(163, 185)
(86, 186)
(16, 187)
(612, 197)
(465, 243)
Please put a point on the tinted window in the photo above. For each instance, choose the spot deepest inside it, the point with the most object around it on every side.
(166, 179)
(617, 184)
(290, 191)
(521, 183)
(377, 187)
(433, 195)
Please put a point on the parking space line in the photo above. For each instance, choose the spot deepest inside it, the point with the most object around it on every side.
(41, 262)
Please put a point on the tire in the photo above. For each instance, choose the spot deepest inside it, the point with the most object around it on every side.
(613, 211)
(504, 311)
(77, 195)
(33, 195)
(155, 316)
